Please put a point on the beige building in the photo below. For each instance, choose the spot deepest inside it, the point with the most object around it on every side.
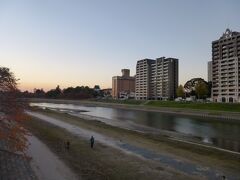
(123, 86)
(226, 68)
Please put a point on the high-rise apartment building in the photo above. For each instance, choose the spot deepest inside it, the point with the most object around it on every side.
(225, 67)
(209, 71)
(143, 78)
(156, 79)
(123, 86)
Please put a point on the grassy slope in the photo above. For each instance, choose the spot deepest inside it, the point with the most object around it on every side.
(127, 101)
(195, 105)
(230, 107)
(158, 143)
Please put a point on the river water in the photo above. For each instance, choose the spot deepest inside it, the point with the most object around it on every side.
(216, 133)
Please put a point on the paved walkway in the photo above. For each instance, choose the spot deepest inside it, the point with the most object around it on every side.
(46, 165)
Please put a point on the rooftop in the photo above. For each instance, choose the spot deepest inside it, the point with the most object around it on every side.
(228, 33)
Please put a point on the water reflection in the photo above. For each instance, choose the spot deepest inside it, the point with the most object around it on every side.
(199, 129)
(220, 134)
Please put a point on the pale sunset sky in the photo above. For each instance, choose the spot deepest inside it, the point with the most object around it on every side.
(74, 42)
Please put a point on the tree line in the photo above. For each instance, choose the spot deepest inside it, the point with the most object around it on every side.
(79, 92)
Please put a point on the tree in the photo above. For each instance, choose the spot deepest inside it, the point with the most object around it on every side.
(79, 92)
(39, 93)
(190, 86)
(180, 91)
(12, 132)
(58, 91)
(54, 93)
(96, 88)
(201, 90)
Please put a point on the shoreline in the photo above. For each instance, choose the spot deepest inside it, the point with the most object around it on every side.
(101, 162)
(183, 152)
(233, 117)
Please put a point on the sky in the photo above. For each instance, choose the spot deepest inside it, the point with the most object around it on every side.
(73, 42)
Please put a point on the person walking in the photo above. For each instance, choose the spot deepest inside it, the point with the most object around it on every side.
(68, 145)
(92, 141)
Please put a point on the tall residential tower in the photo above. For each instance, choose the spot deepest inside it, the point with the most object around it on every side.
(156, 79)
(209, 71)
(225, 67)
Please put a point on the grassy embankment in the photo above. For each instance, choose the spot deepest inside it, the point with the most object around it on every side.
(160, 144)
(213, 108)
(195, 105)
(116, 101)
(102, 162)
(230, 107)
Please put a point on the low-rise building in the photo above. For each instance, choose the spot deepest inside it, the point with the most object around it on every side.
(123, 85)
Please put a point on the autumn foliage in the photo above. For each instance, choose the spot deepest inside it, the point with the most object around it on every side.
(12, 133)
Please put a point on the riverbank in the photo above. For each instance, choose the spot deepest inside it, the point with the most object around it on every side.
(102, 162)
(214, 114)
(181, 151)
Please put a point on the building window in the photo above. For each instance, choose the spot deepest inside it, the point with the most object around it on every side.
(223, 99)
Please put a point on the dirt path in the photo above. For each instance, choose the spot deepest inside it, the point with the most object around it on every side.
(46, 165)
(176, 164)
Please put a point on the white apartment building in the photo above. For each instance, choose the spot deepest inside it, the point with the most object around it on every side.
(225, 68)
(209, 71)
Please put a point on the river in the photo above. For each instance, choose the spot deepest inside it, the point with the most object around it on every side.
(225, 135)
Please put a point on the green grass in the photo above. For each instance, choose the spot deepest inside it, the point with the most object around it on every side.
(195, 105)
(127, 101)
